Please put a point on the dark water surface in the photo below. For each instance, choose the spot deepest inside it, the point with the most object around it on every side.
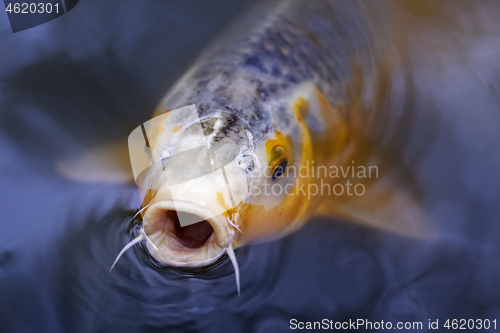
(89, 77)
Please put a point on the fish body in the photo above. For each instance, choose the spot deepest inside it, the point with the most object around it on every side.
(292, 87)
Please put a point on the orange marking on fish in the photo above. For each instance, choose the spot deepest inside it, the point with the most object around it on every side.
(220, 199)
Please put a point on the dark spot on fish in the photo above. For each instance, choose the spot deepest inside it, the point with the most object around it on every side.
(276, 71)
(292, 78)
(219, 99)
(202, 83)
(261, 90)
(272, 88)
(255, 61)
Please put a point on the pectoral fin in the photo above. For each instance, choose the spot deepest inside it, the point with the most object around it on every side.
(391, 201)
(109, 163)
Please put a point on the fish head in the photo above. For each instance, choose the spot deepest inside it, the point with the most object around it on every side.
(195, 172)
(214, 184)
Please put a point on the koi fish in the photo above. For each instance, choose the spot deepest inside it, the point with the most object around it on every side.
(287, 101)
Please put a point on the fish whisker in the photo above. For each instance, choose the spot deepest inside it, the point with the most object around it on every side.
(140, 211)
(234, 261)
(128, 246)
(231, 222)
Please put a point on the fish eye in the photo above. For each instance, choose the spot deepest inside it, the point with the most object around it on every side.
(278, 161)
(280, 169)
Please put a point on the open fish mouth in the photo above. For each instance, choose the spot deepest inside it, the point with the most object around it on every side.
(197, 244)
(194, 245)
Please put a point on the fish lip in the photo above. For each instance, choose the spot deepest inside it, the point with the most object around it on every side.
(215, 246)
